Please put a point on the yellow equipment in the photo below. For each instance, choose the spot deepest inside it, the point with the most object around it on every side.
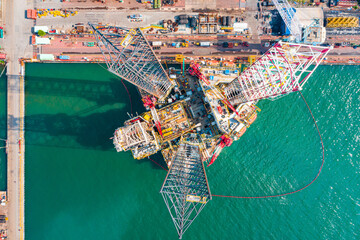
(252, 59)
(147, 117)
(338, 22)
(179, 58)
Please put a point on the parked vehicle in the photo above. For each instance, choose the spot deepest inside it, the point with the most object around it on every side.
(205, 44)
(64, 57)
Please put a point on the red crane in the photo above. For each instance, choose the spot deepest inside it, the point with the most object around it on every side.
(194, 70)
(224, 141)
(149, 101)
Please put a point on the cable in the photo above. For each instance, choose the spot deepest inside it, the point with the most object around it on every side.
(157, 164)
(288, 193)
(128, 95)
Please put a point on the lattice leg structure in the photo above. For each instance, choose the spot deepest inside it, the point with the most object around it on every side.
(186, 189)
(128, 55)
(284, 68)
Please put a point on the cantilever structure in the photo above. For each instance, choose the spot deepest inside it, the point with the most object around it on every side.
(128, 55)
(284, 68)
(186, 189)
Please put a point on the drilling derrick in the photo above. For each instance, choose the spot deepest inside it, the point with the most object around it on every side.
(129, 56)
(283, 69)
(137, 137)
(186, 189)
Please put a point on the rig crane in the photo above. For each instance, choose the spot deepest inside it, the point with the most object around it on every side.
(150, 101)
(225, 141)
(194, 70)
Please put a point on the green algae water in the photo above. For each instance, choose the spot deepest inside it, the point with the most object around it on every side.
(3, 129)
(79, 187)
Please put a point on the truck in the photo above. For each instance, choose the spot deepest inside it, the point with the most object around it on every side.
(64, 57)
(204, 44)
(31, 14)
(157, 43)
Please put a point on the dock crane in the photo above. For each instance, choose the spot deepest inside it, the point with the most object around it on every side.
(297, 30)
(287, 13)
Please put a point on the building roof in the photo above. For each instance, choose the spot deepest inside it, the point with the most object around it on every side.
(43, 28)
(46, 57)
(41, 41)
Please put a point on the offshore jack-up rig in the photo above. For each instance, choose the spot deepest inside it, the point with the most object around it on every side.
(192, 116)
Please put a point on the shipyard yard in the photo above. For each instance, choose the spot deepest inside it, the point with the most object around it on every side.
(196, 75)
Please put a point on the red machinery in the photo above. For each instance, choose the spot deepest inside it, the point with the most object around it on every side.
(224, 141)
(194, 70)
(150, 102)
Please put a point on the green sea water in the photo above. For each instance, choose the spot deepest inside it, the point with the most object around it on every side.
(79, 187)
(3, 129)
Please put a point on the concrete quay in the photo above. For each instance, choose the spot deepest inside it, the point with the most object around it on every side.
(17, 46)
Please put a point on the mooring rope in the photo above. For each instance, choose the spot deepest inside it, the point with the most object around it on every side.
(158, 164)
(288, 193)
(128, 95)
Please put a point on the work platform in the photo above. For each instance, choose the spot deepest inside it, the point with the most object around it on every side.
(201, 110)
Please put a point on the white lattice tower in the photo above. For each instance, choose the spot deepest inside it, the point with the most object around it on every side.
(284, 68)
(128, 55)
(186, 189)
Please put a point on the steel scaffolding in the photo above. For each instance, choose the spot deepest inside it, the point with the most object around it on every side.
(186, 189)
(284, 68)
(128, 55)
(131, 136)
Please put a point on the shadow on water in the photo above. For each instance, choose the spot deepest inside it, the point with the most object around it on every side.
(90, 127)
(101, 92)
(91, 131)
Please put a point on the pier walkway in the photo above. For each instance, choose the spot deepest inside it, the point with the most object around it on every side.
(17, 46)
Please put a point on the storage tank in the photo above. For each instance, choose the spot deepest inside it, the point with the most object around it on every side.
(228, 21)
(224, 21)
(193, 22)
